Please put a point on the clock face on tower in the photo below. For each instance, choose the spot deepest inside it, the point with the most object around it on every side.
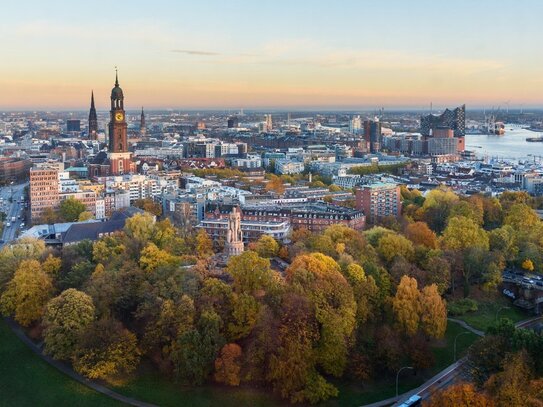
(119, 117)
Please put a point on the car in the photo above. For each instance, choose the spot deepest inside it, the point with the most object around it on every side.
(8, 224)
(527, 280)
(539, 283)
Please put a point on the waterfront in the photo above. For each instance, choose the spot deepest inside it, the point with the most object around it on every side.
(512, 145)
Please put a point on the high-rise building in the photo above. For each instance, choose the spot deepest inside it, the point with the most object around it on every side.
(269, 123)
(355, 125)
(44, 191)
(143, 129)
(73, 125)
(93, 120)
(379, 200)
(452, 119)
(372, 134)
(233, 122)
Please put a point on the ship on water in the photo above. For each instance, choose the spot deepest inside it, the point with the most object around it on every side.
(535, 139)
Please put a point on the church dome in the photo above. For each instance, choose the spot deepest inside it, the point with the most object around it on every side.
(117, 93)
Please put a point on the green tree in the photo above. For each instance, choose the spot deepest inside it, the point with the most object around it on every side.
(65, 318)
(27, 293)
(196, 350)
(70, 209)
(148, 205)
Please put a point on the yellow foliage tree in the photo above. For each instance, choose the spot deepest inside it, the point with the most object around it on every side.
(433, 319)
(459, 395)
(27, 293)
(227, 365)
(528, 265)
(406, 305)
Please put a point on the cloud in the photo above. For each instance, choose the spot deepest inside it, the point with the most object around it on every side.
(195, 52)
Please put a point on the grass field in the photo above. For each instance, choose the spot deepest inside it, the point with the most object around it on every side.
(27, 380)
(485, 316)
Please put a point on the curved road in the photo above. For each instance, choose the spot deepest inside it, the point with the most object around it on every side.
(446, 376)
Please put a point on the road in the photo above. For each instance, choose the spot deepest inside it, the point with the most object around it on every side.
(12, 209)
(444, 378)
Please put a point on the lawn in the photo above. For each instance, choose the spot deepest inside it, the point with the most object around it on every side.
(485, 316)
(27, 380)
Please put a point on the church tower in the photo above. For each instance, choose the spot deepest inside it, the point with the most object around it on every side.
(143, 129)
(118, 140)
(120, 158)
(93, 120)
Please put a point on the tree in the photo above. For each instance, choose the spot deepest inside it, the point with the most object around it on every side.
(65, 318)
(148, 205)
(419, 233)
(528, 265)
(267, 246)
(406, 305)
(27, 293)
(49, 216)
(195, 350)
(319, 278)
(433, 319)
(438, 273)
(521, 217)
(275, 184)
(204, 245)
(227, 365)
(392, 245)
(139, 228)
(152, 258)
(365, 292)
(462, 233)
(251, 273)
(459, 395)
(70, 209)
(244, 316)
(85, 215)
(51, 266)
(510, 386)
(437, 207)
(11, 256)
(106, 350)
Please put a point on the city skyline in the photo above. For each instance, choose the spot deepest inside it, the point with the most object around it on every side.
(304, 55)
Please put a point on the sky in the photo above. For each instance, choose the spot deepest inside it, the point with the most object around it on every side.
(350, 54)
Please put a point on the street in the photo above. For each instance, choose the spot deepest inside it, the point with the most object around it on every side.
(12, 209)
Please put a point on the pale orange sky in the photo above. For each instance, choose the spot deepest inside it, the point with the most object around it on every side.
(247, 55)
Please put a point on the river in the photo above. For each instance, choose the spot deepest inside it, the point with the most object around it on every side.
(512, 145)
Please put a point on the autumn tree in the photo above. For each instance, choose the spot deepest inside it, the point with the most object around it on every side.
(365, 292)
(320, 279)
(438, 273)
(528, 265)
(521, 217)
(406, 305)
(510, 386)
(149, 205)
(227, 365)
(65, 318)
(51, 266)
(433, 320)
(204, 245)
(70, 209)
(462, 233)
(267, 246)
(292, 369)
(275, 184)
(13, 254)
(419, 233)
(392, 245)
(27, 293)
(437, 208)
(106, 350)
(251, 273)
(84, 216)
(459, 395)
